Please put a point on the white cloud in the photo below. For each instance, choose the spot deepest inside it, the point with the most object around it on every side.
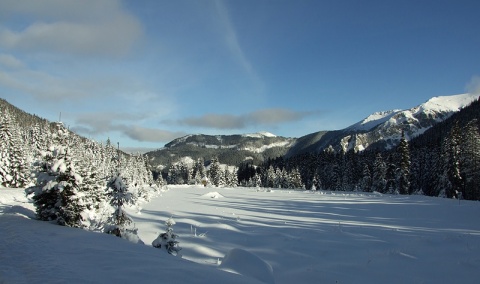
(276, 116)
(473, 86)
(41, 85)
(218, 121)
(10, 61)
(149, 134)
(72, 27)
(127, 124)
(272, 116)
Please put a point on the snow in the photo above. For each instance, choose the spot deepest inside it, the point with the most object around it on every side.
(265, 147)
(280, 236)
(187, 160)
(447, 103)
(246, 263)
(213, 194)
(260, 134)
(373, 120)
(432, 106)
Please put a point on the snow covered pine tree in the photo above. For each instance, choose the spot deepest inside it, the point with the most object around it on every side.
(168, 240)
(119, 195)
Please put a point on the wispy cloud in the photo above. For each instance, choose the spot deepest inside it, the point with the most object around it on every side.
(60, 42)
(127, 124)
(234, 45)
(231, 37)
(473, 86)
(270, 117)
(39, 84)
(71, 27)
(10, 61)
(144, 134)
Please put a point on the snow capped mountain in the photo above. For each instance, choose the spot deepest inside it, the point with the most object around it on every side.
(382, 130)
(230, 149)
(446, 103)
(373, 120)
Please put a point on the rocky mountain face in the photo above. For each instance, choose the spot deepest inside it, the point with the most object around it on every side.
(230, 149)
(383, 130)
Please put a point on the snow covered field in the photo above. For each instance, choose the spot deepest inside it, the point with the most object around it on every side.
(305, 237)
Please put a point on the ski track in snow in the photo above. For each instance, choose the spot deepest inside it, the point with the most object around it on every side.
(304, 236)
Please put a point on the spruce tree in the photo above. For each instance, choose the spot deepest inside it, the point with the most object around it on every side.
(366, 182)
(379, 180)
(390, 176)
(215, 172)
(5, 140)
(57, 191)
(14, 169)
(403, 172)
(168, 240)
(470, 160)
(451, 180)
(118, 193)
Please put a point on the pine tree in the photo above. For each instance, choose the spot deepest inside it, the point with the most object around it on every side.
(118, 193)
(172, 175)
(214, 172)
(316, 183)
(93, 184)
(366, 182)
(379, 180)
(168, 240)
(198, 172)
(5, 140)
(231, 178)
(470, 160)
(14, 171)
(270, 177)
(391, 186)
(295, 180)
(451, 180)
(56, 195)
(71, 205)
(403, 175)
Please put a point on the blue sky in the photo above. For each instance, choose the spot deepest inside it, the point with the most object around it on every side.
(145, 72)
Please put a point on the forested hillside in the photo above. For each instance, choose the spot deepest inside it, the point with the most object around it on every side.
(444, 161)
(73, 180)
(230, 149)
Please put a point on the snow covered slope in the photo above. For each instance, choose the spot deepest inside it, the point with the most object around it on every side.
(230, 149)
(385, 130)
(382, 130)
(40, 252)
(292, 236)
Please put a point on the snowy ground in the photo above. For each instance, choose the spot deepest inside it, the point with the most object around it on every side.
(305, 237)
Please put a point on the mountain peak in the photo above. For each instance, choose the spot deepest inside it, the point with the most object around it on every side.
(446, 103)
(382, 130)
(372, 120)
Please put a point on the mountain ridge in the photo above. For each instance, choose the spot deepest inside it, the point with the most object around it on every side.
(382, 130)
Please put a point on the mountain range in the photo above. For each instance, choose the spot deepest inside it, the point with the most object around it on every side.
(378, 131)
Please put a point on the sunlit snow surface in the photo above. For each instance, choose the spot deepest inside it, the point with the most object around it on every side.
(448, 104)
(305, 237)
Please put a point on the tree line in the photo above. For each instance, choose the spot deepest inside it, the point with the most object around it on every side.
(444, 162)
(72, 180)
